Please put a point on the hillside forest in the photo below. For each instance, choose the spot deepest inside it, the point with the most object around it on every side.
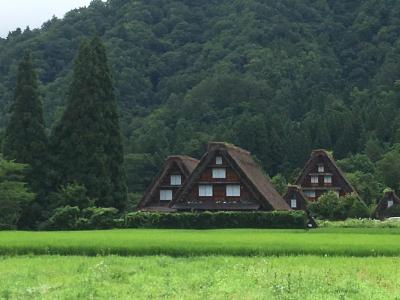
(278, 78)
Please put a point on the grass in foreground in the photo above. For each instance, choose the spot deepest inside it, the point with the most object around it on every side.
(241, 242)
(303, 277)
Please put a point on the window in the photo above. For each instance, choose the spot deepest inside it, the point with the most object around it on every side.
(233, 190)
(293, 203)
(165, 195)
(176, 179)
(205, 190)
(390, 203)
(328, 179)
(314, 179)
(310, 194)
(218, 173)
(218, 160)
(321, 169)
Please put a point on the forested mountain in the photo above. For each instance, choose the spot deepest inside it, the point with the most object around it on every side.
(276, 77)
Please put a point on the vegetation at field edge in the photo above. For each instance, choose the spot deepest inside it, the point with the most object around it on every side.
(238, 242)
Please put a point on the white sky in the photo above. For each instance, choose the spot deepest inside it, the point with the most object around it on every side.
(33, 13)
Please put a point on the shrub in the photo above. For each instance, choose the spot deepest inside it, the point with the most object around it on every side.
(73, 194)
(63, 218)
(354, 207)
(327, 207)
(99, 218)
(208, 220)
(72, 218)
(330, 206)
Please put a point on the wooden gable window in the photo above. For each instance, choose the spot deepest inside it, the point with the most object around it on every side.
(321, 169)
(205, 190)
(218, 160)
(293, 202)
(328, 179)
(176, 180)
(233, 190)
(165, 195)
(219, 173)
(390, 203)
(314, 179)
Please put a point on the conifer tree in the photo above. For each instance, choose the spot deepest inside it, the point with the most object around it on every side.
(322, 136)
(25, 139)
(87, 142)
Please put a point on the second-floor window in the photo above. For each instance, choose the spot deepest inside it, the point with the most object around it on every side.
(233, 190)
(321, 169)
(314, 179)
(205, 190)
(218, 160)
(328, 179)
(390, 203)
(218, 173)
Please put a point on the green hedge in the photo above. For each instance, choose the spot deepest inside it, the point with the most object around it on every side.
(209, 220)
(72, 218)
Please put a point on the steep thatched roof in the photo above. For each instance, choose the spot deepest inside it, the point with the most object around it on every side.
(249, 171)
(186, 165)
(388, 195)
(300, 197)
(321, 153)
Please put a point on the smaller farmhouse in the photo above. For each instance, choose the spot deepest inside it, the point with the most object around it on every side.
(226, 179)
(295, 198)
(320, 175)
(165, 186)
(388, 203)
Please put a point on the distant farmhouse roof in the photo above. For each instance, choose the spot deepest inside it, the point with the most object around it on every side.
(340, 182)
(389, 199)
(295, 194)
(250, 173)
(185, 164)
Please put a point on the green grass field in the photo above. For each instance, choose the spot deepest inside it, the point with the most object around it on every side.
(243, 242)
(328, 263)
(214, 277)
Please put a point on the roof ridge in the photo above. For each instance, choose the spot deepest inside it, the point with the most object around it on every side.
(182, 157)
(228, 146)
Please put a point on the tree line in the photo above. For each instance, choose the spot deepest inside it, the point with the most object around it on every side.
(81, 163)
(278, 78)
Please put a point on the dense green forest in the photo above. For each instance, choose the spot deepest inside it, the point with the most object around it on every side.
(278, 78)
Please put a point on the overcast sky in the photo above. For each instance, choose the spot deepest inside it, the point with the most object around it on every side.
(33, 13)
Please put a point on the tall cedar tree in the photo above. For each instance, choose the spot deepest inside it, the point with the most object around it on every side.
(25, 139)
(87, 142)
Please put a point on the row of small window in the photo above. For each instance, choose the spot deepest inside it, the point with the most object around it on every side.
(205, 190)
(311, 194)
(327, 179)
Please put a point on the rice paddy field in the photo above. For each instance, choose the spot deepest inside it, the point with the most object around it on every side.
(235, 242)
(328, 263)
